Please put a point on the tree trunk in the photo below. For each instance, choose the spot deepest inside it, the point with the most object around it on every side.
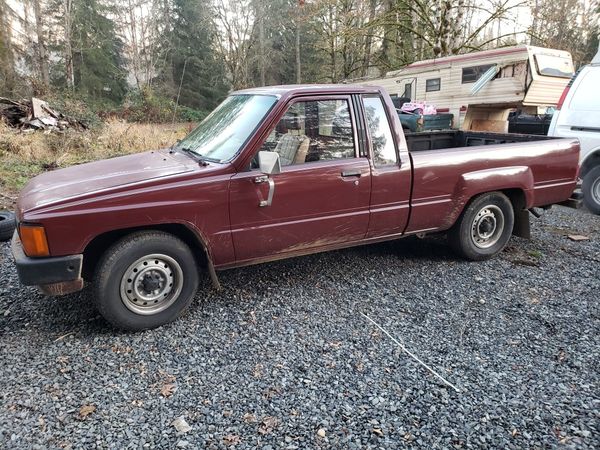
(41, 44)
(7, 63)
(369, 40)
(332, 49)
(261, 45)
(298, 62)
(69, 71)
(389, 41)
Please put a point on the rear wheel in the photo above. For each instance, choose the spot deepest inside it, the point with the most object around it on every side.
(484, 228)
(591, 190)
(145, 280)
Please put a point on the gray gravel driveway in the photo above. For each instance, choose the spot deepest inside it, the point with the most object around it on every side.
(283, 358)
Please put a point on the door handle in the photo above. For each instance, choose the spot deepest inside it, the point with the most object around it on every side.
(261, 179)
(352, 173)
(269, 200)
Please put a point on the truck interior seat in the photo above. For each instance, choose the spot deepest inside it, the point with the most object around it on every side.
(293, 145)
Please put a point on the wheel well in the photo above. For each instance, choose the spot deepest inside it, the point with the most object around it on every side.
(590, 162)
(521, 225)
(517, 198)
(97, 246)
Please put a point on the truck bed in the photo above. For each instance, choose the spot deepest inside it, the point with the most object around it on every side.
(437, 140)
(447, 172)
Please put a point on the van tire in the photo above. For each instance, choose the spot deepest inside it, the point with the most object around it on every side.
(145, 280)
(484, 227)
(591, 190)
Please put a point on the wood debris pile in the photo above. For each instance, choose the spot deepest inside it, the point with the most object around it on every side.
(35, 114)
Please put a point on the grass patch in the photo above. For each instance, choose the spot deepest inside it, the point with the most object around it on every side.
(25, 155)
(535, 254)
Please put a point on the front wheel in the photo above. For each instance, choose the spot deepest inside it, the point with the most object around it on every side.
(591, 190)
(145, 280)
(484, 228)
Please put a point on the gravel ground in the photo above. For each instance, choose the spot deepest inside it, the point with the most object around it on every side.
(283, 358)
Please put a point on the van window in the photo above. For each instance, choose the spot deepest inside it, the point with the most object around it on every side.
(587, 95)
(472, 74)
(553, 66)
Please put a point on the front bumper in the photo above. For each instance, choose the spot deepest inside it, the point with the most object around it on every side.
(54, 275)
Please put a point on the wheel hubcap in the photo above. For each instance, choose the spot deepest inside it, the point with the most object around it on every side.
(487, 227)
(596, 190)
(151, 284)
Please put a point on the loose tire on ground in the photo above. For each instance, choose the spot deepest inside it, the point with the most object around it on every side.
(484, 228)
(591, 190)
(145, 280)
(7, 225)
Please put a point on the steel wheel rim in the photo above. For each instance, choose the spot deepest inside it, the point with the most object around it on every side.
(487, 227)
(151, 284)
(596, 190)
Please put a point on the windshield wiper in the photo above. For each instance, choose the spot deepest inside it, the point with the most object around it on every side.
(201, 159)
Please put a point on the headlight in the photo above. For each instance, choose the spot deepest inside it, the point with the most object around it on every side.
(33, 239)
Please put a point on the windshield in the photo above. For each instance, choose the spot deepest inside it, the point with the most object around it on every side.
(223, 133)
(554, 66)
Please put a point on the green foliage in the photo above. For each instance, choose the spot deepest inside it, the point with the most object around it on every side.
(192, 64)
(73, 105)
(146, 106)
(186, 114)
(97, 52)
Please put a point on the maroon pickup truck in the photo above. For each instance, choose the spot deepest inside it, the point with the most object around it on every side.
(274, 173)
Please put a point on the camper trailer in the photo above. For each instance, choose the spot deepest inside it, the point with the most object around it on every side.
(481, 88)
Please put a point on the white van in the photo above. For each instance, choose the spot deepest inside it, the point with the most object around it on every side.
(578, 115)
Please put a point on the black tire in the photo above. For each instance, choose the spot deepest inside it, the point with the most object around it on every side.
(591, 190)
(7, 225)
(490, 213)
(119, 298)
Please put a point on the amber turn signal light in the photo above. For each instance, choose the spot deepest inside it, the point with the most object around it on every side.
(33, 239)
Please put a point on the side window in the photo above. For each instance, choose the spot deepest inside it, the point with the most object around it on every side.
(472, 74)
(313, 131)
(384, 149)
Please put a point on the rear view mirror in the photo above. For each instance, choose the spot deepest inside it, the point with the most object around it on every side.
(268, 162)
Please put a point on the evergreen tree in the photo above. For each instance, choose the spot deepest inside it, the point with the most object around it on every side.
(193, 76)
(98, 65)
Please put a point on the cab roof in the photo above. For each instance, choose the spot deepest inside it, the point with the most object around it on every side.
(307, 89)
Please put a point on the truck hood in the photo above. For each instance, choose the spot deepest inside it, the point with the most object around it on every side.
(76, 181)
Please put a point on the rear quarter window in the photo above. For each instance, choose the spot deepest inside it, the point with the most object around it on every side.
(587, 94)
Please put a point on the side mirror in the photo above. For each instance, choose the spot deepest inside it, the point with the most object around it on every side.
(268, 163)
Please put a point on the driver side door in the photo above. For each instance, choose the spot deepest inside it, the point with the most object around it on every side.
(322, 194)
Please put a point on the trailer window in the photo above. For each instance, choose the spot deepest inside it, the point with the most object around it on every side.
(433, 85)
(407, 90)
(472, 74)
(554, 66)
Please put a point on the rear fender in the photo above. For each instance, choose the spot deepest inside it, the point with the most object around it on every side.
(490, 180)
